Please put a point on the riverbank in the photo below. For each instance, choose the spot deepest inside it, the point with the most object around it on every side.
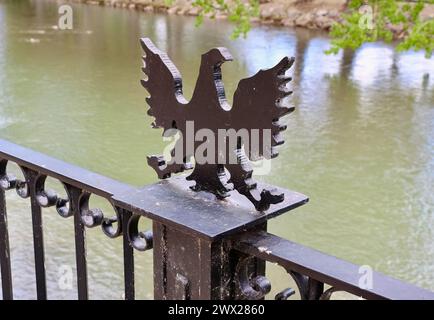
(313, 14)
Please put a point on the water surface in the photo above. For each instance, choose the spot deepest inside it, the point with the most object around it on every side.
(360, 143)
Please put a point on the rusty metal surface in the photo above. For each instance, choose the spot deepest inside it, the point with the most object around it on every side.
(340, 274)
(189, 267)
(171, 202)
(257, 106)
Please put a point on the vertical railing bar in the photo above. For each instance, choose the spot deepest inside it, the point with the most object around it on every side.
(38, 237)
(38, 247)
(5, 259)
(80, 244)
(80, 258)
(128, 257)
(160, 260)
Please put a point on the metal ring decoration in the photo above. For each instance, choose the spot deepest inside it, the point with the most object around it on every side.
(139, 240)
(112, 226)
(89, 217)
(328, 293)
(309, 288)
(302, 283)
(284, 294)
(252, 288)
(22, 187)
(45, 198)
(108, 224)
(63, 209)
(63, 206)
(9, 181)
(49, 198)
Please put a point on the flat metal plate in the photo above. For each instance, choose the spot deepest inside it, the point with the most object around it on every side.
(171, 202)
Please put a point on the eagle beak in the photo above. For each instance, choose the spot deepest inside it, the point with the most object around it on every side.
(225, 54)
(216, 56)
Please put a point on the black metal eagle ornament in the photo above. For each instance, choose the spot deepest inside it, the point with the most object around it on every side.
(257, 107)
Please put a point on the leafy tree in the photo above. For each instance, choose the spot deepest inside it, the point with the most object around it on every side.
(374, 20)
(364, 21)
(239, 12)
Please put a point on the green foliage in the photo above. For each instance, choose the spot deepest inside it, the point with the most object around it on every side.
(420, 37)
(365, 21)
(375, 22)
(238, 11)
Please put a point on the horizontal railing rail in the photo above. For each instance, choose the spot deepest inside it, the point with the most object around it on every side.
(63, 171)
(310, 269)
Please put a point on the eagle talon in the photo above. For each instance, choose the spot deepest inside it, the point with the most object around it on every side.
(164, 170)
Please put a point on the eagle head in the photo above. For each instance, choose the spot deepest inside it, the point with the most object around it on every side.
(216, 57)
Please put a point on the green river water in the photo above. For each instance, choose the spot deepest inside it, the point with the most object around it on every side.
(360, 143)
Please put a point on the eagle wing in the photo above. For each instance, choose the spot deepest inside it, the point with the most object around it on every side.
(166, 102)
(164, 85)
(258, 105)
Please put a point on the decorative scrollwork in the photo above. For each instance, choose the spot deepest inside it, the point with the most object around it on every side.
(252, 287)
(3, 165)
(112, 227)
(328, 293)
(22, 189)
(90, 217)
(76, 202)
(309, 288)
(139, 240)
(47, 198)
(302, 284)
(63, 209)
(284, 294)
(63, 206)
(9, 181)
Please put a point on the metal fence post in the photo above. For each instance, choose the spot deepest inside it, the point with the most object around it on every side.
(192, 240)
(190, 267)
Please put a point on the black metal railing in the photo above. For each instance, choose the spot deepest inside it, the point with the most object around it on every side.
(223, 260)
(312, 270)
(79, 185)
